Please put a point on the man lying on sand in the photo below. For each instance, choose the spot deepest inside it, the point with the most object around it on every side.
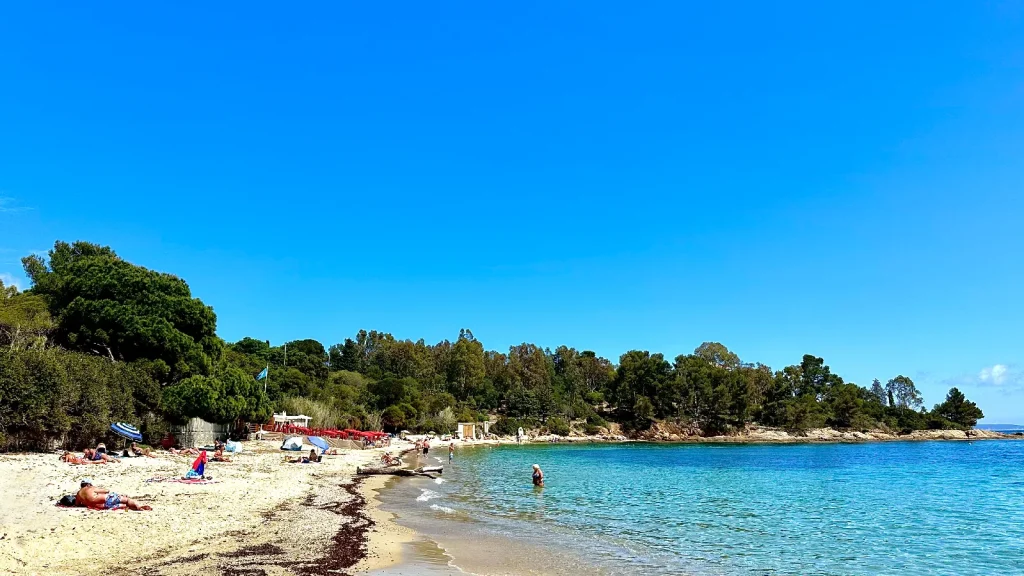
(185, 451)
(72, 459)
(102, 499)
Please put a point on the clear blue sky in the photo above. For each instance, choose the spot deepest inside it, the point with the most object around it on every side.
(837, 179)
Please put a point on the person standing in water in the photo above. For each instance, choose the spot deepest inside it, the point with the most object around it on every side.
(538, 476)
(451, 452)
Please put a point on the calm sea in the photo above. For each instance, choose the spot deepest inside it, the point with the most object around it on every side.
(843, 509)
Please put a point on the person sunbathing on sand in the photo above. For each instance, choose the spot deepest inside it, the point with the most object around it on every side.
(135, 450)
(219, 456)
(102, 499)
(93, 454)
(184, 451)
(72, 459)
(304, 459)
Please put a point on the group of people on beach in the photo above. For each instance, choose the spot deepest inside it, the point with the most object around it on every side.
(90, 496)
(99, 455)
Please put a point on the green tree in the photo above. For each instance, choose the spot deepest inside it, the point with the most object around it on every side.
(229, 396)
(717, 354)
(879, 392)
(958, 409)
(641, 373)
(847, 406)
(24, 318)
(104, 305)
(466, 365)
(394, 419)
(346, 356)
(815, 377)
(902, 393)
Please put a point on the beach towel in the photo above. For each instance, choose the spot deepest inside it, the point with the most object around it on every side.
(121, 507)
(183, 480)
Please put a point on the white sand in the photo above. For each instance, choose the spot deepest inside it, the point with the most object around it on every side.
(38, 538)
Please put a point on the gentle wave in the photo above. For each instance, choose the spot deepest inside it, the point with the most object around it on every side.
(427, 495)
(444, 509)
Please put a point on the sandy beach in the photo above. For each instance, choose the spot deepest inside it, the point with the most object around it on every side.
(259, 516)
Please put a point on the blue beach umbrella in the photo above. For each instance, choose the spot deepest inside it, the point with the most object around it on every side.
(319, 443)
(126, 431)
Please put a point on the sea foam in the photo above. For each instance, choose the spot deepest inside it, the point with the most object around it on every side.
(427, 495)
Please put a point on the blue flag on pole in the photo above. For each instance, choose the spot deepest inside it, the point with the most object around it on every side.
(262, 374)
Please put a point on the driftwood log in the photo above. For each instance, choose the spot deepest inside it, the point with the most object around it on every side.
(427, 471)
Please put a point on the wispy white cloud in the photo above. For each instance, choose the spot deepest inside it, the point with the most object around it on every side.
(1007, 378)
(995, 375)
(11, 280)
(8, 205)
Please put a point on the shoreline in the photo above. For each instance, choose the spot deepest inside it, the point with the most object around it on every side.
(399, 547)
(260, 516)
(764, 435)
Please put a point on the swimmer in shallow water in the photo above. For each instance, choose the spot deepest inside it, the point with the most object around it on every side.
(538, 476)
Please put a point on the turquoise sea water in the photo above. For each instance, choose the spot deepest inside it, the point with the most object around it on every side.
(843, 509)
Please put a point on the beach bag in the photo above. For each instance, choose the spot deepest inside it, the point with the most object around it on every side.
(198, 467)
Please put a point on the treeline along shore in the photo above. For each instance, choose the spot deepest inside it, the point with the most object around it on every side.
(96, 339)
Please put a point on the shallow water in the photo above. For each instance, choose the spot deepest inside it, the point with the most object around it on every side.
(843, 509)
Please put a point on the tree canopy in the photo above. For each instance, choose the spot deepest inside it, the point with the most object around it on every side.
(97, 338)
(104, 305)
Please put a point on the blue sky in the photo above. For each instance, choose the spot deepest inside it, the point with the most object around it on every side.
(842, 180)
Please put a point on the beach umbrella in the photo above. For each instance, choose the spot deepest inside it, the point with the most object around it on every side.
(319, 443)
(126, 431)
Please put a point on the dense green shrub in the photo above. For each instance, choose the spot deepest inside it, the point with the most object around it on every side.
(53, 397)
(557, 425)
(229, 396)
(509, 426)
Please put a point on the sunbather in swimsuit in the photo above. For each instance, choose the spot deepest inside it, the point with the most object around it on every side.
(102, 499)
(72, 459)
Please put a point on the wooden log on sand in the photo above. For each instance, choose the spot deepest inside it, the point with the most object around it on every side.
(427, 471)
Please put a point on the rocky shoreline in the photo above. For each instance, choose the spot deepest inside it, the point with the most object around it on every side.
(660, 432)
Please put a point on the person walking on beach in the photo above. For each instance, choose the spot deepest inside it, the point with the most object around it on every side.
(451, 452)
(538, 476)
(426, 446)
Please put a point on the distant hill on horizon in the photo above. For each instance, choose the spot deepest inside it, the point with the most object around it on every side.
(999, 427)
